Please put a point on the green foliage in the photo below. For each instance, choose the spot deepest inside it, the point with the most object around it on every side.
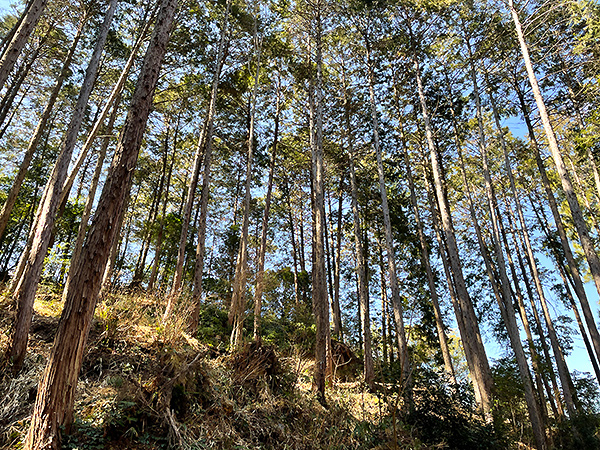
(213, 328)
(446, 414)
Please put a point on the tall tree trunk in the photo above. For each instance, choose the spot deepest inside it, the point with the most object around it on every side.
(265, 222)
(535, 358)
(567, 280)
(11, 198)
(238, 298)
(361, 266)
(389, 241)
(319, 282)
(474, 350)
(576, 213)
(445, 257)
(54, 403)
(425, 259)
(25, 292)
(571, 263)
(506, 306)
(163, 214)
(335, 304)
(203, 151)
(30, 18)
(287, 196)
(563, 371)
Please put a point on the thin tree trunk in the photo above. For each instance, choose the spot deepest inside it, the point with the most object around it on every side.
(571, 263)
(37, 134)
(389, 242)
(335, 305)
(203, 151)
(563, 371)
(54, 403)
(361, 266)
(460, 319)
(425, 259)
(474, 349)
(30, 18)
(576, 213)
(238, 298)
(319, 282)
(161, 226)
(506, 307)
(265, 222)
(25, 292)
(287, 196)
(560, 264)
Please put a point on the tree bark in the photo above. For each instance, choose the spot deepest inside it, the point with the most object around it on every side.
(37, 134)
(576, 213)
(54, 403)
(474, 349)
(25, 292)
(361, 267)
(265, 222)
(28, 22)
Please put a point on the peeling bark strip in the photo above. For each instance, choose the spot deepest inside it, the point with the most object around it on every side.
(54, 403)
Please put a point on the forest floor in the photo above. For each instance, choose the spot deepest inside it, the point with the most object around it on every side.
(148, 386)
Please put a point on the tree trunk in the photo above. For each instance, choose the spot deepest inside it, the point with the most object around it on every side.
(389, 242)
(238, 298)
(361, 266)
(287, 195)
(474, 349)
(319, 282)
(203, 151)
(571, 263)
(335, 304)
(54, 403)
(30, 18)
(265, 223)
(577, 215)
(25, 292)
(425, 259)
(11, 197)
(506, 306)
(163, 215)
(560, 265)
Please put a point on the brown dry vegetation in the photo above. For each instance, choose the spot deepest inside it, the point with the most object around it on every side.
(145, 385)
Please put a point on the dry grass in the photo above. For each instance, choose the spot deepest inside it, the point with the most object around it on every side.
(149, 385)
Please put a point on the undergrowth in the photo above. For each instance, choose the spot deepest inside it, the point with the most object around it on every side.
(149, 385)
